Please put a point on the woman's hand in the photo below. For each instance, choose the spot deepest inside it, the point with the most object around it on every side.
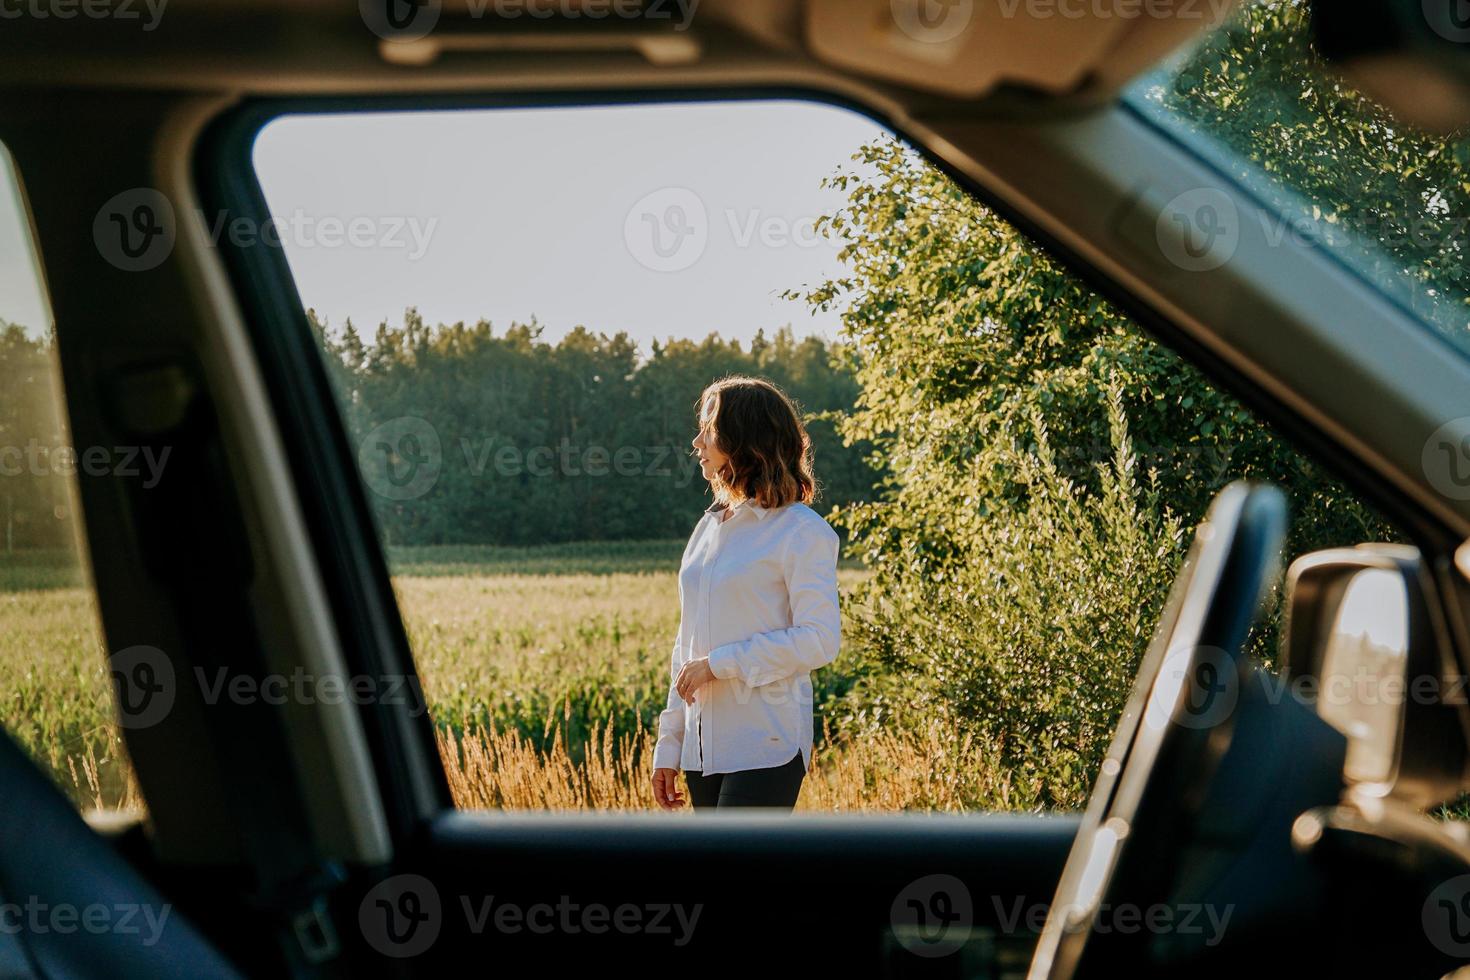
(692, 676)
(666, 789)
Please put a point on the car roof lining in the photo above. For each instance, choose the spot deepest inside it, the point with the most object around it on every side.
(306, 46)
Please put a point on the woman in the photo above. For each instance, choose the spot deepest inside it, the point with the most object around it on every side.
(758, 610)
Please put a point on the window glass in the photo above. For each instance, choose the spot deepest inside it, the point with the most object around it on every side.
(1386, 198)
(55, 690)
(519, 310)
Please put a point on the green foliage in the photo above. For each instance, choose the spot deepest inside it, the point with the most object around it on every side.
(1044, 458)
(1388, 198)
(596, 439)
(35, 499)
(1032, 646)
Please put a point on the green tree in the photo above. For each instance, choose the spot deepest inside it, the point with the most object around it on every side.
(37, 461)
(584, 439)
(1044, 458)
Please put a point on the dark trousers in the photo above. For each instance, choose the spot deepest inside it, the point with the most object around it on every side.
(777, 786)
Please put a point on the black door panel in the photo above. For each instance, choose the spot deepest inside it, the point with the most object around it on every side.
(747, 895)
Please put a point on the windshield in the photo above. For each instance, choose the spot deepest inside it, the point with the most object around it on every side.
(1390, 201)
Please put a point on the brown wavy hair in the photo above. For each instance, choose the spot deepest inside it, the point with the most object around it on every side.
(758, 426)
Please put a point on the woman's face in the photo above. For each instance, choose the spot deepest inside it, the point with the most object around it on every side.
(710, 457)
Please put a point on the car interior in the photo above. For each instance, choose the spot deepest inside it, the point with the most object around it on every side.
(319, 839)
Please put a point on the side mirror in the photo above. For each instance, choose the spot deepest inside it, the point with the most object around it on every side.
(1366, 645)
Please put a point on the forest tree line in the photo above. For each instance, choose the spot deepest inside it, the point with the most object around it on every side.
(584, 439)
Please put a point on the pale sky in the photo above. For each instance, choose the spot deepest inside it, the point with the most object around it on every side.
(21, 296)
(669, 220)
(663, 221)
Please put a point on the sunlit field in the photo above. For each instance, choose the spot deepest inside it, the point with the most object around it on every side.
(544, 670)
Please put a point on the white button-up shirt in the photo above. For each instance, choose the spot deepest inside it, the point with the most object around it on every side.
(758, 596)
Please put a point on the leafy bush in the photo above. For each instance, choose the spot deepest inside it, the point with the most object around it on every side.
(1029, 641)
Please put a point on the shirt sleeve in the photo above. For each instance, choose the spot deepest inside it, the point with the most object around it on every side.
(815, 634)
(669, 748)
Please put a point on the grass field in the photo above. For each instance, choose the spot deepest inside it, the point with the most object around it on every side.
(544, 670)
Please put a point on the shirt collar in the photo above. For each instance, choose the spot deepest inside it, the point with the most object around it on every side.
(746, 504)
